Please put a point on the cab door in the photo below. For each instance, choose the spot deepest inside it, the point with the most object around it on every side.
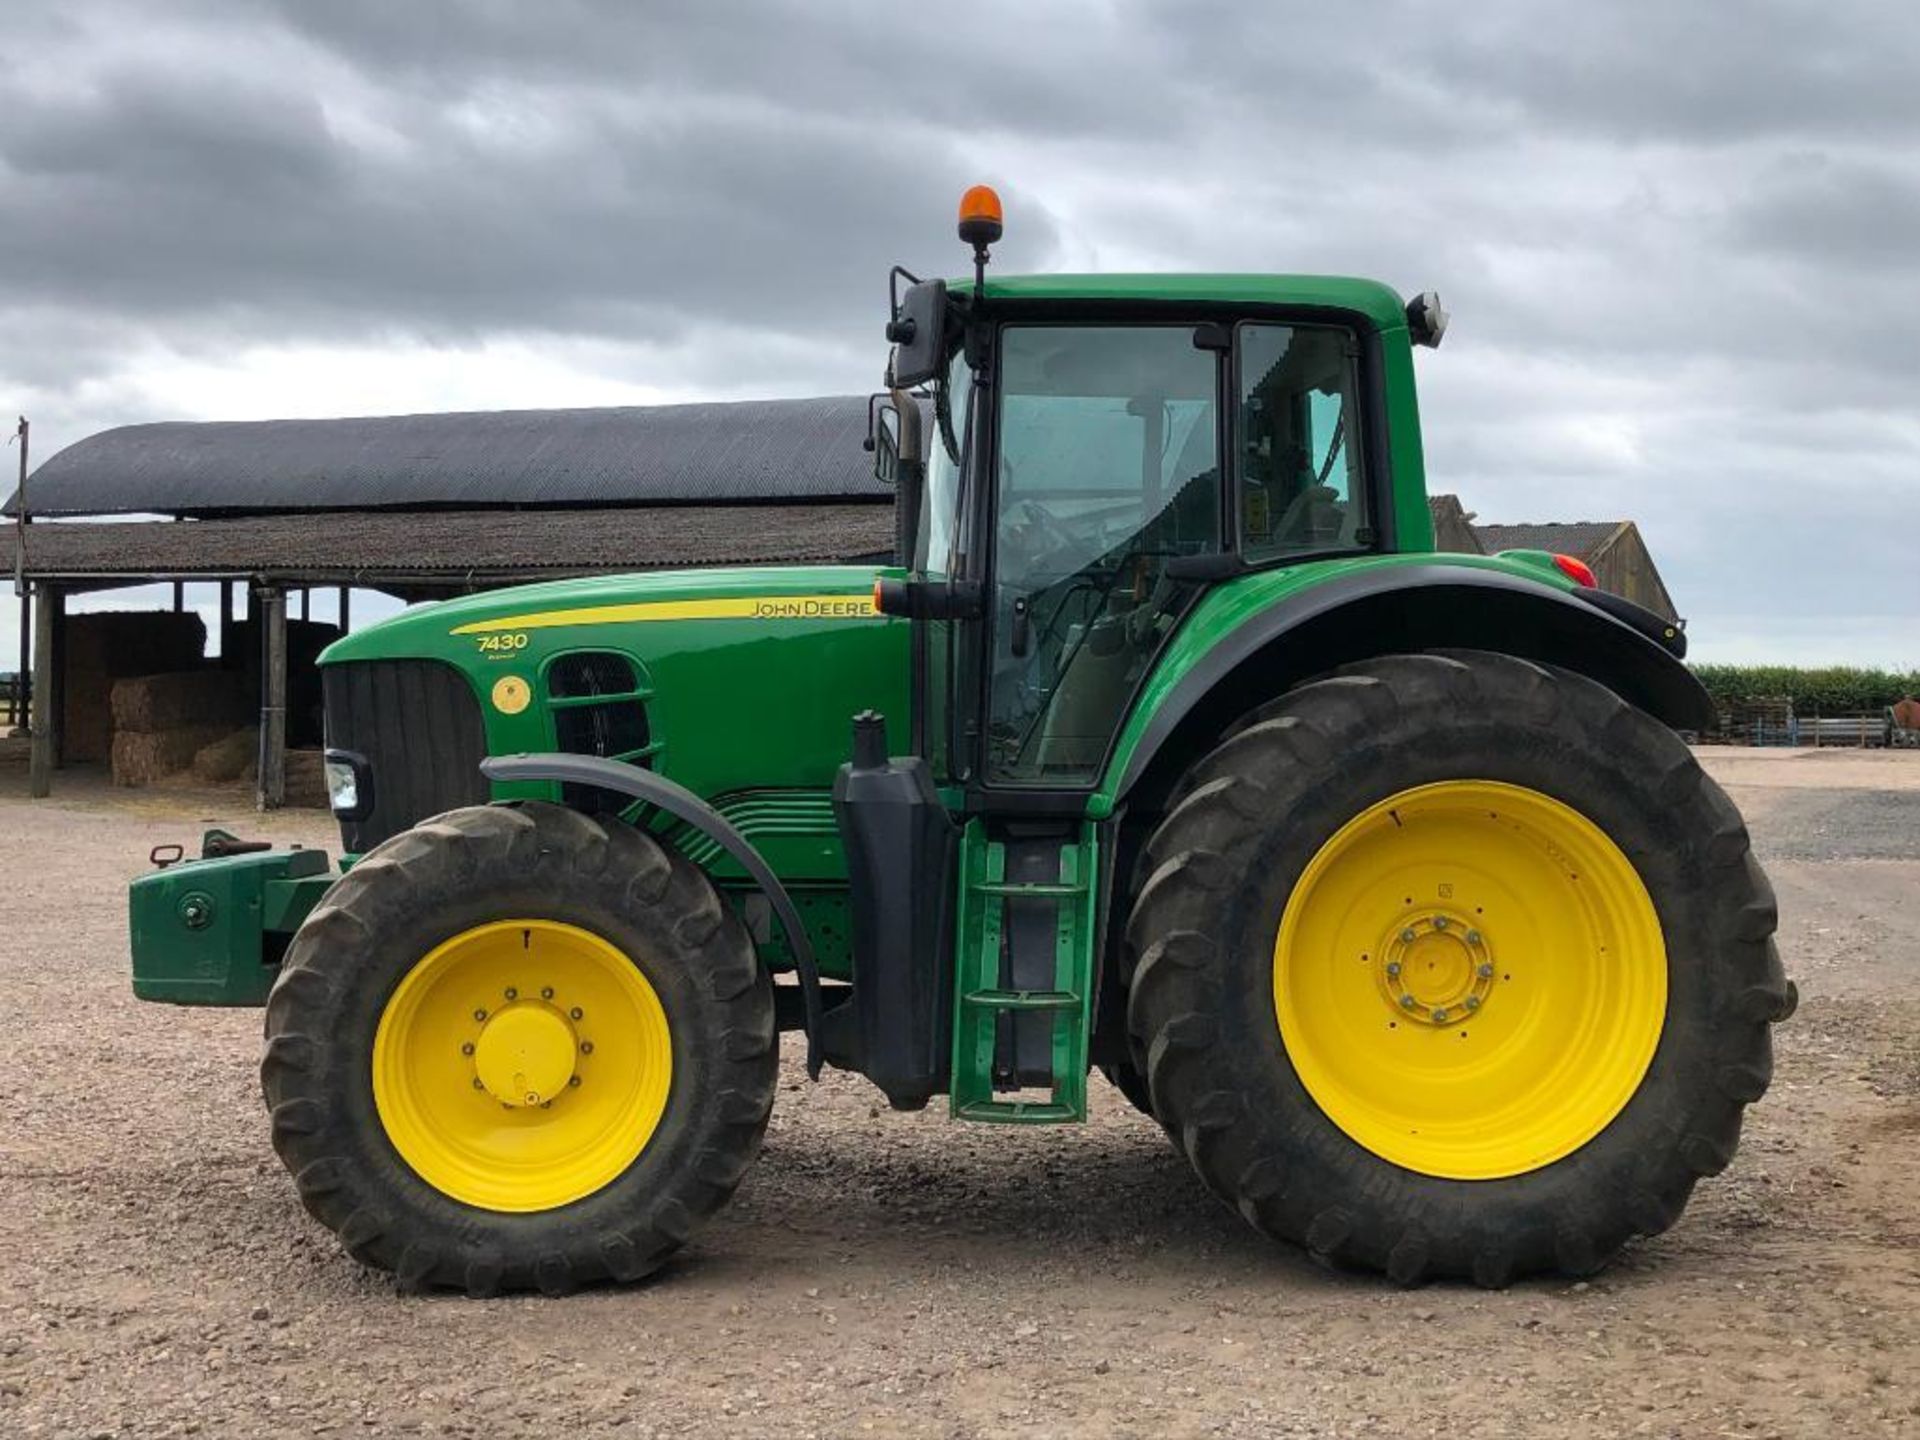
(1105, 467)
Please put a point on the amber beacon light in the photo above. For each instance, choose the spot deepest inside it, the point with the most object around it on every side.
(980, 220)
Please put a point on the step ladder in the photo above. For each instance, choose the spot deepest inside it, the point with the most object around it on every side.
(980, 962)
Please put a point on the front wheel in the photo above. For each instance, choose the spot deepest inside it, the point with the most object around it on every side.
(518, 1048)
(1454, 966)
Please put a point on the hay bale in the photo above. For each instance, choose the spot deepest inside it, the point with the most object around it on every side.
(105, 646)
(306, 779)
(232, 757)
(150, 704)
(305, 640)
(141, 759)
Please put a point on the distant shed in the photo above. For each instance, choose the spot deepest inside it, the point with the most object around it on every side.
(1452, 526)
(1615, 550)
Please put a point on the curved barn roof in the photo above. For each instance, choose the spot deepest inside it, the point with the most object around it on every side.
(724, 453)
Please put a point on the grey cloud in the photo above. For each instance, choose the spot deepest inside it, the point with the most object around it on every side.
(1834, 212)
(1669, 233)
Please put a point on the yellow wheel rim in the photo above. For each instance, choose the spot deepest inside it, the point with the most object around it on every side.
(522, 1065)
(1470, 979)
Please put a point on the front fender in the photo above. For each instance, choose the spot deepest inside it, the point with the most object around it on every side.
(1256, 637)
(684, 805)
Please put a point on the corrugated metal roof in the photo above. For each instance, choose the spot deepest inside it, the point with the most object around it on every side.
(1580, 538)
(743, 451)
(456, 545)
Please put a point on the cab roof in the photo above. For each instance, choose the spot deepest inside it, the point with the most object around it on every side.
(1377, 302)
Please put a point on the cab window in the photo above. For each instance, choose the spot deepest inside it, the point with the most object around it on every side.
(1297, 440)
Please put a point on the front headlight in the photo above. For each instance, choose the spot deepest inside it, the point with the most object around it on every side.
(349, 784)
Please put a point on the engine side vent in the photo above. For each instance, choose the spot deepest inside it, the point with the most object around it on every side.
(591, 672)
(599, 708)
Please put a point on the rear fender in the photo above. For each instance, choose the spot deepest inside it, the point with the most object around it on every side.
(1393, 609)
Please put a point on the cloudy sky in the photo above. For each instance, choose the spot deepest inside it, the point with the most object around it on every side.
(1677, 239)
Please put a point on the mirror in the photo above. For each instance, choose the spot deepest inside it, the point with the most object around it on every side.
(885, 444)
(918, 333)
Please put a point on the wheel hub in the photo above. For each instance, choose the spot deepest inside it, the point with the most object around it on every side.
(522, 1064)
(1395, 938)
(525, 1053)
(1436, 967)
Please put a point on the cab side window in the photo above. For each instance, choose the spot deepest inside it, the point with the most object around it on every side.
(1297, 437)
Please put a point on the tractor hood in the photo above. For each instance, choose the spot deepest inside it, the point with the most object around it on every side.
(724, 680)
(574, 612)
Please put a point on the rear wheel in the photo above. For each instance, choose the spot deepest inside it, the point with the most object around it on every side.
(1454, 965)
(1131, 1084)
(517, 1048)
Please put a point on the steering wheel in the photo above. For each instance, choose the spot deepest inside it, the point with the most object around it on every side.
(1033, 532)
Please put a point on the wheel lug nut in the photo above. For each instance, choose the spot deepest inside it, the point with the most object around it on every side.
(477, 1083)
(1439, 922)
(1473, 937)
(1407, 935)
(1473, 1002)
(467, 1049)
(1486, 972)
(573, 1080)
(1440, 1015)
(1407, 1002)
(479, 1014)
(1393, 967)
(546, 992)
(577, 1013)
(586, 1047)
(512, 994)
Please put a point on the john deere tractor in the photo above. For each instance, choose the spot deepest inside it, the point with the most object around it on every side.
(1379, 878)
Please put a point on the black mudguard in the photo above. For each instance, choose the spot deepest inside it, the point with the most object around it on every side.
(1632, 651)
(684, 805)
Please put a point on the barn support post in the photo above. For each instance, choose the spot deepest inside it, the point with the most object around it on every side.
(23, 705)
(179, 596)
(45, 752)
(272, 609)
(226, 624)
(21, 589)
(346, 608)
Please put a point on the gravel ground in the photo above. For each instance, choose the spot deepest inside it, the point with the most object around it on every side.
(904, 1275)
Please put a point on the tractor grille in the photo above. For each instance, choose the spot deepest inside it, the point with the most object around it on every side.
(418, 724)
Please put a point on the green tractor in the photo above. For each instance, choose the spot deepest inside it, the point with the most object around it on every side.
(1379, 878)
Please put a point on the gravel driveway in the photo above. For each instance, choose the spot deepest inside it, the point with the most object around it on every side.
(904, 1275)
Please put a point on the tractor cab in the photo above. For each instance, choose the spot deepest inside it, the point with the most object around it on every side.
(1095, 461)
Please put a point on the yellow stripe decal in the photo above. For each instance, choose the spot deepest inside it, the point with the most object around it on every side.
(742, 607)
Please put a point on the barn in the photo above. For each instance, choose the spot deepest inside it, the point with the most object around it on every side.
(276, 526)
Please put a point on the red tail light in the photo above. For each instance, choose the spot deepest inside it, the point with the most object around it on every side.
(1578, 571)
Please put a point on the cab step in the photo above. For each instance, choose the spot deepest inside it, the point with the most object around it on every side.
(1015, 969)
